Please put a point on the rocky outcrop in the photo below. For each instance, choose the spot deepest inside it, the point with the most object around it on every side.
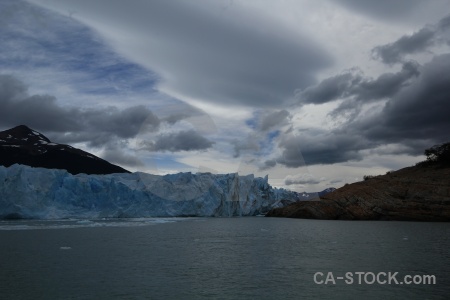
(420, 193)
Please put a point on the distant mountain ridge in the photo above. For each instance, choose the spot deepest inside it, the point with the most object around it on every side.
(326, 191)
(25, 146)
(313, 195)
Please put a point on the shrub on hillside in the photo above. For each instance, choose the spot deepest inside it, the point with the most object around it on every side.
(367, 177)
(439, 154)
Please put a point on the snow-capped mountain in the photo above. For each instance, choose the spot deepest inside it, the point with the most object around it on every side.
(314, 195)
(22, 145)
(39, 193)
(326, 191)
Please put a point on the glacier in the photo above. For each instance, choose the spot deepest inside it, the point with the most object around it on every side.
(38, 193)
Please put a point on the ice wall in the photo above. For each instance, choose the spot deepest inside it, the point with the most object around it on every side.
(27, 192)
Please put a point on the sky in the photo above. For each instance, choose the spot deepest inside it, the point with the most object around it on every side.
(315, 94)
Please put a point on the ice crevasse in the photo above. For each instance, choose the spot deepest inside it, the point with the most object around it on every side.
(39, 193)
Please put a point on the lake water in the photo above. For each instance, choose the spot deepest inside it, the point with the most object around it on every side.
(220, 258)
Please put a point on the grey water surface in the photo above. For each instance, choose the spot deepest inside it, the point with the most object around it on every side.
(221, 258)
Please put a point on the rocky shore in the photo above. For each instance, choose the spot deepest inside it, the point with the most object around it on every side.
(419, 193)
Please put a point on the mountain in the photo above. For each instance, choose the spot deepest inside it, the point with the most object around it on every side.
(38, 193)
(22, 145)
(304, 196)
(326, 191)
(418, 193)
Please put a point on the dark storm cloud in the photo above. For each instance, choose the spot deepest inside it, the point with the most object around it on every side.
(189, 140)
(201, 53)
(385, 86)
(420, 112)
(416, 117)
(417, 42)
(355, 84)
(39, 111)
(70, 125)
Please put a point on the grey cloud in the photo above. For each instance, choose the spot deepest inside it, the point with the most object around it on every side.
(70, 125)
(266, 128)
(346, 110)
(417, 42)
(329, 89)
(249, 144)
(172, 119)
(40, 111)
(118, 157)
(320, 147)
(180, 141)
(181, 111)
(385, 86)
(92, 138)
(203, 57)
(268, 164)
(124, 123)
(384, 9)
(301, 179)
(336, 181)
(358, 87)
(273, 119)
(444, 25)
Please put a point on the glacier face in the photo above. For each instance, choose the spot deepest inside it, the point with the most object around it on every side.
(38, 193)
